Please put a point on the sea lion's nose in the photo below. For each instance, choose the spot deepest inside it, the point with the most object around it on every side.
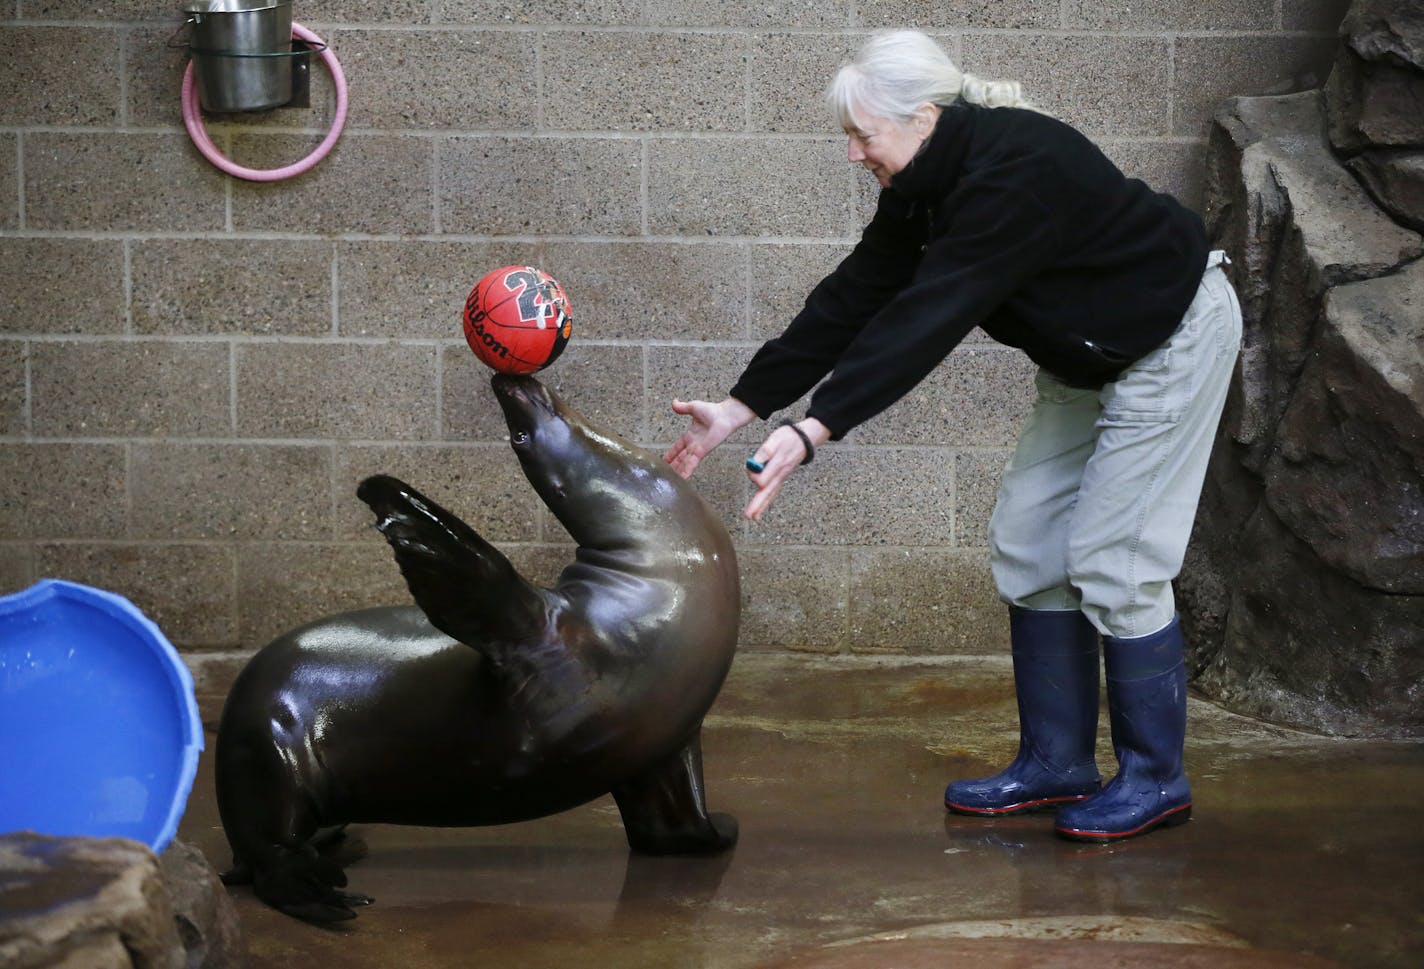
(507, 383)
(523, 392)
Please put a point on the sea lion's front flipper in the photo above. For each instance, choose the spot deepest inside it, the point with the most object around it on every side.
(306, 887)
(467, 588)
(664, 808)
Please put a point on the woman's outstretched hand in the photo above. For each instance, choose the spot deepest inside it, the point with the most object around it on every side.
(711, 425)
(779, 455)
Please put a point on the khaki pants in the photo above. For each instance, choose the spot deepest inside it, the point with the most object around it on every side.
(1098, 500)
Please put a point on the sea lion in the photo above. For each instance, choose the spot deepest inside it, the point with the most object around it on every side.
(494, 700)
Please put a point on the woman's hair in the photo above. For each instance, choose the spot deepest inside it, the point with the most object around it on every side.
(899, 70)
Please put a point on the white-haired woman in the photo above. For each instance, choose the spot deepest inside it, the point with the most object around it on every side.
(995, 215)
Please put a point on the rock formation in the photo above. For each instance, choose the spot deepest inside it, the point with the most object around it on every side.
(1303, 595)
(110, 903)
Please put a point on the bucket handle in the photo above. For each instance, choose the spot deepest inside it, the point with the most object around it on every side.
(309, 46)
(307, 49)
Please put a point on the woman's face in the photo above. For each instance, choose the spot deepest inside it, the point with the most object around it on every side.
(885, 145)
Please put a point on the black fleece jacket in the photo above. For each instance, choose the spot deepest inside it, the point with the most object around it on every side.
(1006, 219)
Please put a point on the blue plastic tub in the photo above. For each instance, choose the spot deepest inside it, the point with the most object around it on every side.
(99, 729)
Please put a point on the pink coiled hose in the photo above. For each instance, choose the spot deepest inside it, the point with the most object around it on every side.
(193, 121)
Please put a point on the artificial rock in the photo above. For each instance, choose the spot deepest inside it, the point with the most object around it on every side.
(1376, 89)
(1395, 180)
(1303, 594)
(110, 903)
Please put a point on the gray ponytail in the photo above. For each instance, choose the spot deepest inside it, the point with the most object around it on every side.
(899, 70)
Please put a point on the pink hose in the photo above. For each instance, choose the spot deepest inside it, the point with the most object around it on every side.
(193, 121)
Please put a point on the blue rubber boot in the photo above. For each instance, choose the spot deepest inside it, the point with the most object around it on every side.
(1147, 708)
(1056, 680)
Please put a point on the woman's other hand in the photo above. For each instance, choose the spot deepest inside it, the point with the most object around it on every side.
(711, 425)
(780, 454)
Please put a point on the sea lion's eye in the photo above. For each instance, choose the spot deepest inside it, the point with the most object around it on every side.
(519, 437)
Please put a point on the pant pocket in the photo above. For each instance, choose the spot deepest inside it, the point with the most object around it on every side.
(1154, 389)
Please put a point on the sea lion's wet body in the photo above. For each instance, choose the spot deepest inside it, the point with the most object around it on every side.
(494, 700)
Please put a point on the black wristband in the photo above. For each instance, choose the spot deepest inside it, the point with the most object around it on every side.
(810, 448)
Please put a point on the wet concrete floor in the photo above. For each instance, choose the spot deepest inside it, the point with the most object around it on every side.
(1303, 851)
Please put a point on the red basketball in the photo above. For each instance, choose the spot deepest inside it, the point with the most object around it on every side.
(518, 319)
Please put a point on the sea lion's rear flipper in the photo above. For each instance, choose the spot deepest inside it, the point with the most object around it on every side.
(467, 588)
(664, 808)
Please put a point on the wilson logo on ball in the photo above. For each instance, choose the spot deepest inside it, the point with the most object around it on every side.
(518, 319)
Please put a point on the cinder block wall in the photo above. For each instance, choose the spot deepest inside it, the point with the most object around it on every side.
(195, 371)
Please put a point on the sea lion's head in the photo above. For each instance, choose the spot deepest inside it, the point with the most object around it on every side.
(539, 431)
(594, 482)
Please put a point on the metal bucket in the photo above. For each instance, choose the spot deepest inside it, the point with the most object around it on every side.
(242, 53)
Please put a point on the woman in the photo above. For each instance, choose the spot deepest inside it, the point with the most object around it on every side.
(994, 215)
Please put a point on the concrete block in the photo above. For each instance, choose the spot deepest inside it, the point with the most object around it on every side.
(61, 286)
(924, 601)
(483, 485)
(1102, 84)
(468, 409)
(1317, 16)
(1208, 70)
(186, 589)
(282, 585)
(542, 564)
(415, 289)
(369, 183)
(807, 14)
(213, 673)
(153, 75)
(466, 80)
(760, 186)
(13, 392)
(977, 475)
(1216, 15)
(789, 74)
(1174, 167)
(107, 10)
(9, 181)
(794, 598)
(62, 491)
(603, 95)
(863, 496)
(16, 568)
(782, 276)
(130, 389)
(693, 373)
(978, 396)
(392, 12)
(653, 291)
(564, 13)
(60, 76)
(867, 197)
(150, 181)
(540, 186)
(245, 491)
(1014, 14)
(721, 481)
(243, 287)
(604, 384)
(335, 390)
